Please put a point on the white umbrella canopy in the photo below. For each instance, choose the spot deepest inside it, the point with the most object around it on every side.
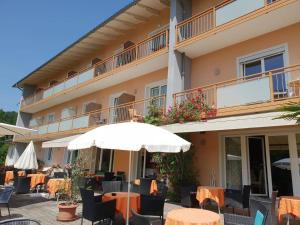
(131, 136)
(284, 164)
(8, 129)
(28, 159)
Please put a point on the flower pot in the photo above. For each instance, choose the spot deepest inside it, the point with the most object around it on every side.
(66, 212)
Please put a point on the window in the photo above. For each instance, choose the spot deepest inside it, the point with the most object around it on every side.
(49, 154)
(106, 160)
(233, 162)
(264, 61)
(72, 156)
(51, 117)
(68, 112)
(155, 90)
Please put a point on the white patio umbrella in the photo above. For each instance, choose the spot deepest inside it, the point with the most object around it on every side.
(131, 136)
(27, 160)
(284, 164)
(8, 129)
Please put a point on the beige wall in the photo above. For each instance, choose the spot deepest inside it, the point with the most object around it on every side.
(134, 87)
(225, 60)
(137, 34)
(121, 161)
(206, 157)
(203, 5)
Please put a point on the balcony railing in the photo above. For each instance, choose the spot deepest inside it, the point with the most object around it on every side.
(268, 87)
(120, 113)
(136, 52)
(223, 13)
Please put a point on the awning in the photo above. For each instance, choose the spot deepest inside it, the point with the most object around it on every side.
(262, 120)
(59, 143)
(8, 129)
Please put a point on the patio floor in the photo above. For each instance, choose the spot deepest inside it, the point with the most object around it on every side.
(34, 206)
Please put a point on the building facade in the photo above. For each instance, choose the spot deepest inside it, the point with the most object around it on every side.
(244, 55)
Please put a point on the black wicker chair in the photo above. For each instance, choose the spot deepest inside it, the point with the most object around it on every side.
(152, 206)
(111, 186)
(137, 219)
(270, 204)
(93, 209)
(20, 222)
(188, 196)
(145, 186)
(109, 176)
(162, 189)
(5, 196)
(22, 185)
(255, 204)
(237, 199)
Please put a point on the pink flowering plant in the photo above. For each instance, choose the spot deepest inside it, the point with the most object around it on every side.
(194, 108)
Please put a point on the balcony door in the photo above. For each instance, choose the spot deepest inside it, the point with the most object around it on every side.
(155, 90)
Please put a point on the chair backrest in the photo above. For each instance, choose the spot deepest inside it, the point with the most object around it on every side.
(87, 196)
(6, 194)
(20, 222)
(145, 186)
(273, 199)
(162, 189)
(111, 186)
(246, 195)
(258, 205)
(108, 209)
(186, 197)
(88, 203)
(23, 185)
(138, 219)
(152, 205)
(59, 174)
(109, 176)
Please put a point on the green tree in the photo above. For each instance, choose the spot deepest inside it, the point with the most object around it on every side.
(290, 111)
(10, 118)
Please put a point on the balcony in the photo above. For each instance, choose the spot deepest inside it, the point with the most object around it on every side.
(252, 94)
(232, 22)
(84, 122)
(142, 58)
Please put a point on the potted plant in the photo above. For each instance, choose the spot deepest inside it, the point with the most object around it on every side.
(69, 192)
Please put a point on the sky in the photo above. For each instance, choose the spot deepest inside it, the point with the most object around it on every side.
(33, 31)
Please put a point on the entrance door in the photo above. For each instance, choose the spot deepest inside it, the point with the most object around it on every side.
(279, 155)
(257, 165)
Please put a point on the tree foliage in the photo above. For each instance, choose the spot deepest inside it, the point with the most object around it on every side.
(10, 118)
(290, 111)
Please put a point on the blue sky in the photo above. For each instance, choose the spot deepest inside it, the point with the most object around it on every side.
(33, 31)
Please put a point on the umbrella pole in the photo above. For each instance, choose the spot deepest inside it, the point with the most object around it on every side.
(128, 192)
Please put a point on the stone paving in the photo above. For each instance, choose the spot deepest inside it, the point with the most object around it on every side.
(34, 206)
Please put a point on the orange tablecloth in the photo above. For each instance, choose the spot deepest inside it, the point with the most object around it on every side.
(21, 173)
(9, 176)
(55, 184)
(36, 179)
(189, 216)
(121, 201)
(288, 205)
(153, 188)
(214, 193)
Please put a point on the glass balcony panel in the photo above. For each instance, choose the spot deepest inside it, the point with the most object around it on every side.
(53, 127)
(71, 82)
(42, 129)
(250, 91)
(58, 88)
(236, 9)
(65, 125)
(48, 92)
(81, 122)
(87, 75)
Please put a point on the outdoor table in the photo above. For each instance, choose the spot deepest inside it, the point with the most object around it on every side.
(9, 176)
(55, 184)
(121, 201)
(213, 193)
(189, 216)
(21, 173)
(153, 188)
(288, 205)
(36, 179)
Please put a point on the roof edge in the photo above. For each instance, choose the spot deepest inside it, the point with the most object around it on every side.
(134, 2)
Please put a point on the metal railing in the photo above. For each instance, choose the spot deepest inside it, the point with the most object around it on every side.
(121, 113)
(218, 15)
(274, 85)
(136, 52)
